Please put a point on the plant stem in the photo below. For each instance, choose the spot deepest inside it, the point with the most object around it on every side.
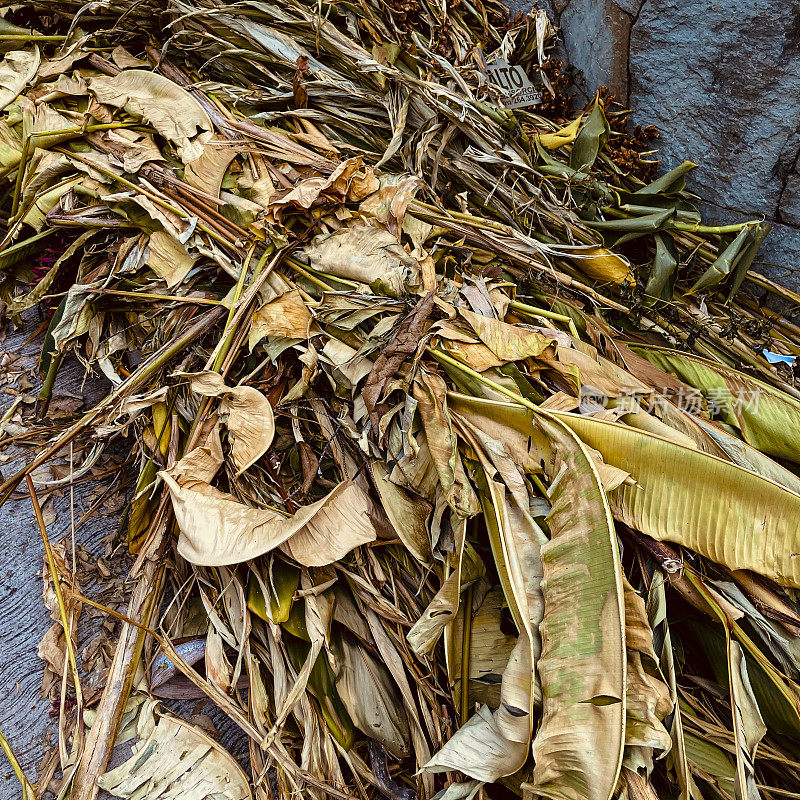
(466, 638)
(54, 576)
(46, 392)
(100, 742)
(150, 196)
(65, 622)
(28, 790)
(171, 298)
(543, 312)
(517, 398)
(78, 130)
(33, 37)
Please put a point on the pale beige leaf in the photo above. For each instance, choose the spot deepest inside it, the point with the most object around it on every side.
(430, 392)
(407, 513)
(218, 668)
(638, 634)
(45, 201)
(132, 149)
(394, 664)
(648, 697)
(494, 745)
(171, 110)
(507, 342)
(125, 59)
(16, 69)
(75, 318)
(335, 529)
(216, 529)
(578, 748)
(58, 65)
(592, 371)
(441, 611)
(168, 258)
(309, 190)
(369, 695)
(202, 462)
(246, 412)
(647, 703)
(175, 759)
(368, 255)
(748, 726)
(487, 746)
(286, 316)
(489, 650)
(207, 172)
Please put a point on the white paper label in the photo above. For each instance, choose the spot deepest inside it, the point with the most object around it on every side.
(520, 92)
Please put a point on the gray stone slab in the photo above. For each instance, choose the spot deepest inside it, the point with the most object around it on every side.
(24, 714)
(721, 80)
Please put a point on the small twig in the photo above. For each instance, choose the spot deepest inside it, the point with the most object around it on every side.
(54, 576)
(52, 567)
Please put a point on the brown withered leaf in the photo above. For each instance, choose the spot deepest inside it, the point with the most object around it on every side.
(405, 343)
(298, 89)
(309, 464)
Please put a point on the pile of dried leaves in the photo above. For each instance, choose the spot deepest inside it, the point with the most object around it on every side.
(466, 460)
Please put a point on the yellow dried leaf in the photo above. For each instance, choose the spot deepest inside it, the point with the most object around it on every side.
(286, 316)
(168, 258)
(508, 342)
(559, 138)
(602, 265)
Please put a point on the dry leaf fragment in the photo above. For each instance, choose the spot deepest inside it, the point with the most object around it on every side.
(16, 69)
(298, 89)
(207, 172)
(126, 60)
(407, 513)
(369, 255)
(246, 412)
(175, 759)
(171, 110)
(603, 265)
(286, 316)
(408, 338)
(216, 529)
(335, 529)
(507, 342)
(168, 258)
(130, 149)
(370, 696)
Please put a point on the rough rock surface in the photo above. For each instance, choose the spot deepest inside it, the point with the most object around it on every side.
(721, 80)
(26, 718)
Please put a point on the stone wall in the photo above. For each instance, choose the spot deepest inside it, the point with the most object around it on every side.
(721, 80)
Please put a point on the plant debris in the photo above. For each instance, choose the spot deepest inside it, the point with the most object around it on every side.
(463, 456)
